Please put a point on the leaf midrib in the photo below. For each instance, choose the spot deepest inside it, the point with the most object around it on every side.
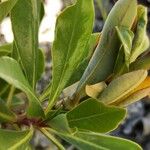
(69, 47)
(79, 139)
(91, 116)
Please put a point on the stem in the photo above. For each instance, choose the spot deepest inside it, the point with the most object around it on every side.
(10, 96)
(52, 138)
(49, 107)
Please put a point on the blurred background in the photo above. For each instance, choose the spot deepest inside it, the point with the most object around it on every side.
(137, 125)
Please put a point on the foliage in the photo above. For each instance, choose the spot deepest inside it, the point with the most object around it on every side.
(100, 74)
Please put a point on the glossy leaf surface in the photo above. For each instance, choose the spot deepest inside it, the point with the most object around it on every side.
(103, 60)
(95, 141)
(5, 8)
(73, 30)
(25, 26)
(122, 85)
(12, 73)
(15, 140)
(95, 116)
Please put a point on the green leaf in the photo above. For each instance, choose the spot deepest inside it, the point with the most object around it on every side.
(12, 73)
(122, 85)
(73, 30)
(141, 63)
(60, 123)
(141, 40)
(5, 8)
(41, 64)
(108, 142)
(102, 63)
(95, 116)
(95, 141)
(15, 140)
(25, 26)
(89, 50)
(123, 59)
(6, 115)
(4, 86)
(91, 45)
(6, 49)
(42, 11)
(17, 102)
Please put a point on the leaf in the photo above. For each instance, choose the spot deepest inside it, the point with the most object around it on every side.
(42, 12)
(88, 140)
(141, 40)
(94, 116)
(122, 85)
(6, 49)
(60, 123)
(12, 73)
(108, 142)
(95, 141)
(41, 64)
(95, 90)
(136, 94)
(102, 63)
(73, 30)
(141, 63)
(89, 50)
(17, 102)
(91, 45)
(4, 86)
(134, 97)
(16, 140)
(25, 26)
(6, 115)
(123, 59)
(5, 8)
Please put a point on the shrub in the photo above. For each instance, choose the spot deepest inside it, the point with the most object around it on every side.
(100, 74)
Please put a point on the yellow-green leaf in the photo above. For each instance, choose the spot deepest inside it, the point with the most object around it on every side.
(136, 94)
(95, 90)
(122, 86)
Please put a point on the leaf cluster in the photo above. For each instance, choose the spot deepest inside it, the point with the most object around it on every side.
(98, 74)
